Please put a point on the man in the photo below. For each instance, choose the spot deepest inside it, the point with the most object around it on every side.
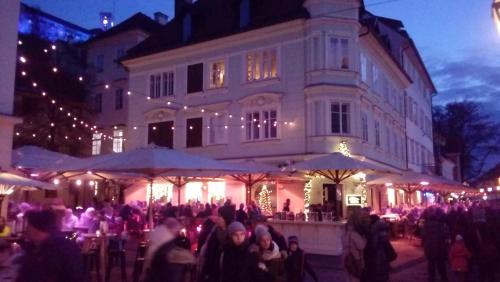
(69, 221)
(434, 238)
(241, 215)
(237, 264)
(49, 256)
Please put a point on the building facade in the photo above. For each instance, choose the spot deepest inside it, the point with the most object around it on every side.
(108, 80)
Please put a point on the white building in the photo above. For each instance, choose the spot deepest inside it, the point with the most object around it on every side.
(108, 81)
(274, 82)
(8, 53)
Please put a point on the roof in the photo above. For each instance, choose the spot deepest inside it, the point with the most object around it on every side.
(41, 13)
(399, 27)
(137, 21)
(212, 19)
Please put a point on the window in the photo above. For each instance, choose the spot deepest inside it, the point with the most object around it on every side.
(194, 132)
(98, 103)
(217, 130)
(217, 73)
(364, 67)
(161, 84)
(168, 84)
(377, 133)
(195, 78)
(423, 155)
(96, 143)
(415, 112)
(262, 65)
(410, 108)
(340, 118)
(375, 79)
(319, 118)
(161, 134)
(119, 99)
(422, 119)
(99, 63)
(244, 13)
(364, 126)
(261, 125)
(412, 150)
(117, 140)
(387, 140)
(339, 53)
(316, 53)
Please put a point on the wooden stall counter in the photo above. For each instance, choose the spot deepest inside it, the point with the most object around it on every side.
(315, 237)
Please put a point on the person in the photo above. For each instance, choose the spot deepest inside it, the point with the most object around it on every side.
(69, 221)
(286, 206)
(296, 263)
(241, 215)
(434, 239)
(8, 268)
(459, 257)
(237, 264)
(271, 264)
(210, 253)
(353, 245)
(165, 261)
(378, 252)
(261, 223)
(48, 256)
(89, 220)
(4, 228)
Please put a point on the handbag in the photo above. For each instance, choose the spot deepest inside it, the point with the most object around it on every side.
(352, 265)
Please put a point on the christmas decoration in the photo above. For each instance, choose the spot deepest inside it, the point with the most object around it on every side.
(307, 195)
(344, 150)
(265, 200)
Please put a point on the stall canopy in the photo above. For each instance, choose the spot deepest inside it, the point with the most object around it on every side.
(337, 167)
(11, 180)
(254, 172)
(411, 181)
(154, 162)
(36, 158)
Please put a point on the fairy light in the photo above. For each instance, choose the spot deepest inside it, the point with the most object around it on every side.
(23, 73)
(106, 86)
(53, 47)
(22, 59)
(129, 93)
(35, 84)
(80, 78)
(45, 50)
(19, 42)
(43, 94)
(54, 69)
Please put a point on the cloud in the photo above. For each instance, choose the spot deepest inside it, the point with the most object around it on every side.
(474, 76)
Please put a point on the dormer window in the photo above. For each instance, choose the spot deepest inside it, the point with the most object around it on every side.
(244, 13)
(186, 27)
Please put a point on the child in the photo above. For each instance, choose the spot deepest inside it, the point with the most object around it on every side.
(296, 263)
(459, 258)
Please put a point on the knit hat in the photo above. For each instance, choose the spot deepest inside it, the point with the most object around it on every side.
(293, 240)
(227, 213)
(261, 231)
(459, 237)
(45, 220)
(235, 227)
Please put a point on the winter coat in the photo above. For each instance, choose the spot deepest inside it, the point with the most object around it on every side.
(353, 243)
(434, 238)
(271, 265)
(377, 262)
(237, 264)
(276, 236)
(241, 216)
(459, 257)
(296, 265)
(55, 260)
(209, 259)
(170, 264)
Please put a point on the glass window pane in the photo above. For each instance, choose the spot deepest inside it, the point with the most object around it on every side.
(256, 125)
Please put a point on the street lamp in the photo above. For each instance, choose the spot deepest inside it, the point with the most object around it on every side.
(496, 13)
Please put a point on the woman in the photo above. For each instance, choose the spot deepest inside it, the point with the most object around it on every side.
(271, 263)
(237, 264)
(353, 245)
(4, 228)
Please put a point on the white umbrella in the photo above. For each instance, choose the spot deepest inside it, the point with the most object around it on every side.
(153, 162)
(12, 180)
(337, 167)
(33, 157)
(412, 181)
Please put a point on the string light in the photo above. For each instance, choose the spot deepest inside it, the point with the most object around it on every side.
(19, 42)
(53, 47)
(23, 73)
(22, 59)
(54, 69)
(80, 78)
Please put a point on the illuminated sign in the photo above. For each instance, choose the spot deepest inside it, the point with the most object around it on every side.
(354, 200)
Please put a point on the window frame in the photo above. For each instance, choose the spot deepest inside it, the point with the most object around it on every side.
(96, 144)
(118, 140)
(258, 132)
(249, 75)
(190, 88)
(335, 61)
(210, 82)
(192, 144)
(364, 127)
(341, 118)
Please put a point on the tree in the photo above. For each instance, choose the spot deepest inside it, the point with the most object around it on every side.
(265, 200)
(468, 130)
(56, 72)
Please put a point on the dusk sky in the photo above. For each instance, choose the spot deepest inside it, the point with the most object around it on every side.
(456, 38)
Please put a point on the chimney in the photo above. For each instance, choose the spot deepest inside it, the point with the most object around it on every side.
(161, 18)
(180, 6)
